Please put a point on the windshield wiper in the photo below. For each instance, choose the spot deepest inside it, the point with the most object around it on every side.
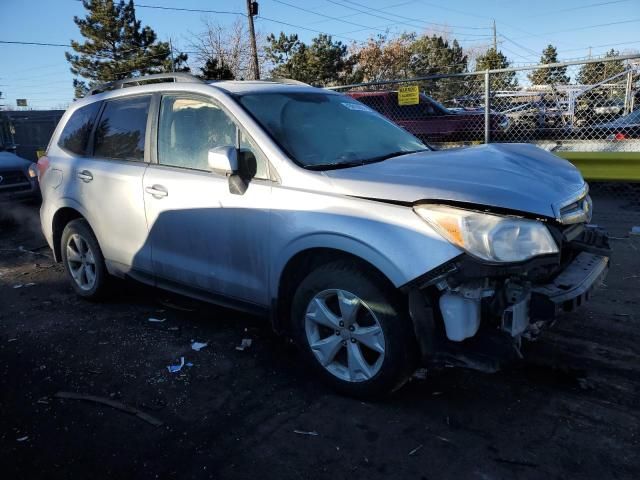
(357, 163)
(334, 166)
(391, 155)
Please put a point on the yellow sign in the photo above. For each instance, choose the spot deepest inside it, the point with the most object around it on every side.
(409, 95)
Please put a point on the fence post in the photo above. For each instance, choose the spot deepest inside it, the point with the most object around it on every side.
(487, 107)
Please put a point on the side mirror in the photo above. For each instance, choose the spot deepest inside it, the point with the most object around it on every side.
(223, 160)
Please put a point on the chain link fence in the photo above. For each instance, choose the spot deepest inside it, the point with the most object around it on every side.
(585, 111)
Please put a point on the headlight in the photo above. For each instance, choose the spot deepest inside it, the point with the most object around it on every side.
(490, 237)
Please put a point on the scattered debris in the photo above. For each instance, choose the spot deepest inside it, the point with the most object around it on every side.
(415, 450)
(515, 462)
(111, 403)
(197, 346)
(169, 304)
(24, 250)
(18, 285)
(30, 284)
(22, 439)
(156, 320)
(246, 343)
(420, 374)
(176, 368)
(312, 433)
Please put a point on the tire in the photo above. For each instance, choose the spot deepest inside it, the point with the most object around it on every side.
(373, 351)
(78, 238)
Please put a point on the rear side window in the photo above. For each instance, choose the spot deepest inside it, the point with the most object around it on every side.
(75, 134)
(121, 130)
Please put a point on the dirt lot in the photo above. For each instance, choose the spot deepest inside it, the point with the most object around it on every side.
(571, 410)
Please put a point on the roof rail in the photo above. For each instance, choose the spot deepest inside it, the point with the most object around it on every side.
(288, 81)
(156, 78)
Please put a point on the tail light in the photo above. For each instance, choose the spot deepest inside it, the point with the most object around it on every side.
(43, 165)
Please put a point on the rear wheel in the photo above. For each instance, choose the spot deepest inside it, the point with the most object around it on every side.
(353, 330)
(83, 260)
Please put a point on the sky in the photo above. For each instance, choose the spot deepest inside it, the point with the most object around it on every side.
(41, 74)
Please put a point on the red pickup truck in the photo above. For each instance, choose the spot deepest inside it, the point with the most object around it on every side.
(432, 122)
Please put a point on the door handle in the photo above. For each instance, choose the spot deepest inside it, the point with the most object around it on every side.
(85, 176)
(158, 191)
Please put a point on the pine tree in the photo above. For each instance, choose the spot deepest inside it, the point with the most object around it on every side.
(435, 55)
(592, 73)
(117, 46)
(549, 76)
(323, 62)
(214, 70)
(492, 60)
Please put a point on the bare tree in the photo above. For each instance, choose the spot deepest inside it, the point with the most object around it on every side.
(229, 45)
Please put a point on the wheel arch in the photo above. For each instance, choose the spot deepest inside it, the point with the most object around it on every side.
(61, 218)
(305, 260)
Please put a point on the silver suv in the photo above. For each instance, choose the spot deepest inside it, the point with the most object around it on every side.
(373, 251)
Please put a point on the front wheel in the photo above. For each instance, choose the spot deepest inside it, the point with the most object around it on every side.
(353, 329)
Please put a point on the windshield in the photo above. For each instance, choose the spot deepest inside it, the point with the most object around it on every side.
(322, 130)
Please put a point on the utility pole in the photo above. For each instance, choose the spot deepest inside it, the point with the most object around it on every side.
(173, 63)
(252, 9)
(495, 40)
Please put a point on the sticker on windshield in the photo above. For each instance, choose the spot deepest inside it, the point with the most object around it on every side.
(356, 106)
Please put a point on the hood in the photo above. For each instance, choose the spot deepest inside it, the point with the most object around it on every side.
(513, 176)
(10, 161)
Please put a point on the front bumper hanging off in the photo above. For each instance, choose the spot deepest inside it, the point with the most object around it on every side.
(571, 288)
(475, 315)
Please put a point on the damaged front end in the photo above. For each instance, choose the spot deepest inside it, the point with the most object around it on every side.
(474, 313)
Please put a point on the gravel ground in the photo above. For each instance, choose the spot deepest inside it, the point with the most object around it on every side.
(570, 410)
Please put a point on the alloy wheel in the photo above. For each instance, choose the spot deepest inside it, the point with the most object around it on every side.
(345, 335)
(81, 262)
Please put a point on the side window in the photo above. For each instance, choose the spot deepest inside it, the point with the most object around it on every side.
(416, 112)
(191, 126)
(75, 134)
(121, 129)
(188, 128)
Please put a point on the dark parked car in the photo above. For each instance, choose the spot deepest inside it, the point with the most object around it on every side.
(430, 121)
(18, 178)
(621, 128)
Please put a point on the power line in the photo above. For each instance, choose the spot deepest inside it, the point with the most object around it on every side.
(368, 12)
(581, 7)
(382, 10)
(40, 44)
(604, 45)
(586, 27)
(273, 20)
(196, 10)
(327, 16)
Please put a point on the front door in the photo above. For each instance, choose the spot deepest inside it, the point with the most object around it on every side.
(204, 238)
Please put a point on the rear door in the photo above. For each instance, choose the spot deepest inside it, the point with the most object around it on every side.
(110, 183)
(206, 240)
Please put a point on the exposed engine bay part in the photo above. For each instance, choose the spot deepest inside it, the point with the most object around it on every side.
(475, 314)
(460, 309)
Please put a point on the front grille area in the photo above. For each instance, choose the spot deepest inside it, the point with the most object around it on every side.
(578, 211)
(13, 181)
